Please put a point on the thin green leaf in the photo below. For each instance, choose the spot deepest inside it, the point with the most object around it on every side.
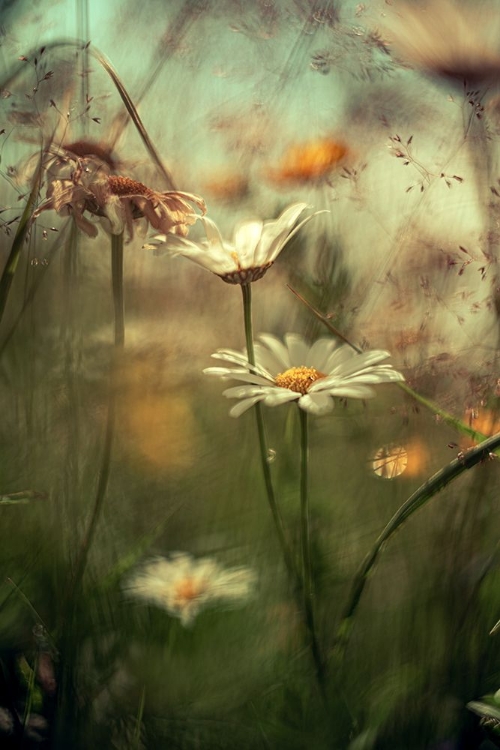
(424, 493)
(134, 115)
(18, 243)
(21, 498)
(484, 709)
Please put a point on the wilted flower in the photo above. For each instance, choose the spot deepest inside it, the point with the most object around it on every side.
(86, 185)
(185, 586)
(295, 371)
(310, 161)
(457, 42)
(255, 247)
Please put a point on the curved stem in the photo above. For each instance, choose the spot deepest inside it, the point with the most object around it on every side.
(423, 494)
(23, 228)
(266, 471)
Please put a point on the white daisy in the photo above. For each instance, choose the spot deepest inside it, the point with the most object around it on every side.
(449, 39)
(255, 246)
(295, 371)
(184, 586)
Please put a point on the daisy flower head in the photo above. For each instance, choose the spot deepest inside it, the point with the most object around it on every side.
(185, 586)
(292, 370)
(256, 245)
(83, 186)
(452, 40)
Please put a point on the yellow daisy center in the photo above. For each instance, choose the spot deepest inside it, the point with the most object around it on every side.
(188, 589)
(125, 187)
(298, 379)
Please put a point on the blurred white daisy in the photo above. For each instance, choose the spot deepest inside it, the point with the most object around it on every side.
(450, 39)
(295, 371)
(256, 245)
(184, 586)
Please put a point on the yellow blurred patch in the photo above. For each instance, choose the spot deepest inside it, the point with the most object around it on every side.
(310, 161)
(227, 187)
(391, 461)
(482, 420)
(160, 429)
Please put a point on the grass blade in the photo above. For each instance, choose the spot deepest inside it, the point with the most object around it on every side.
(424, 493)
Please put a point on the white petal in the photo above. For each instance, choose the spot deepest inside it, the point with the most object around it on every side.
(236, 358)
(297, 349)
(246, 238)
(222, 372)
(316, 403)
(243, 391)
(277, 396)
(213, 235)
(278, 349)
(267, 358)
(344, 390)
(246, 377)
(376, 376)
(360, 362)
(243, 406)
(275, 232)
(319, 353)
(341, 354)
(251, 378)
(285, 237)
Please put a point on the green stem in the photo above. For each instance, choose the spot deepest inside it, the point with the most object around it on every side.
(22, 230)
(102, 484)
(424, 493)
(305, 543)
(266, 471)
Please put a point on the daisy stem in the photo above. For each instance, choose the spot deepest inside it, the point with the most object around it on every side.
(305, 543)
(102, 484)
(266, 471)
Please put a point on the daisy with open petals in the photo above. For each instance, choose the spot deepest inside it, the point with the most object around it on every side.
(294, 371)
(184, 586)
(256, 245)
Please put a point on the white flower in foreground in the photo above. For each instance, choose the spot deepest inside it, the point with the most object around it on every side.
(184, 586)
(256, 245)
(295, 371)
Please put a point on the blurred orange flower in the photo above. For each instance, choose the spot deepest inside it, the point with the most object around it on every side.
(309, 161)
(486, 421)
(227, 186)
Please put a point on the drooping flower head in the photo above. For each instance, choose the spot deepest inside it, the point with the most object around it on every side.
(457, 41)
(256, 245)
(85, 186)
(294, 371)
(185, 586)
